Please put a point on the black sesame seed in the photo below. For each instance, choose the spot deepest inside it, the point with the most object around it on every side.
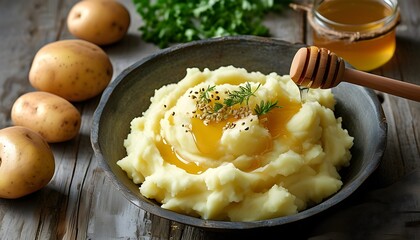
(247, 128)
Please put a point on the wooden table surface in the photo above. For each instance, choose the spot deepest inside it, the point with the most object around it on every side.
(81, 203)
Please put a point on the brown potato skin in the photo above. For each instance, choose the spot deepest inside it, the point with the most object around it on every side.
(73, 69)
(26, 162)
(102, 22)
(51, 116)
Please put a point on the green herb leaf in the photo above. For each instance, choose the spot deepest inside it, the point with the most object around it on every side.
(217, 106)
(241, 95)
(265, 107)
(174, 21)
(205, 94)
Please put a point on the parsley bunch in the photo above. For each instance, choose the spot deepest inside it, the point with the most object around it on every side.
(174, 21)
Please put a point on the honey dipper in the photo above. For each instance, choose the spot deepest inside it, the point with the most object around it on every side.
(315, 67)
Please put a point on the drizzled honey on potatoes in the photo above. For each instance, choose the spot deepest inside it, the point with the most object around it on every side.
(229, 144)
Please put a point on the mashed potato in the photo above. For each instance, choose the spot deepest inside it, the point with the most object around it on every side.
(235, 145)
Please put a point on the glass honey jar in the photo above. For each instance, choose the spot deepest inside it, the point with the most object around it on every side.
(362, 32)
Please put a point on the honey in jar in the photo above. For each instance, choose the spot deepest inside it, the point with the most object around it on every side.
(362, 32)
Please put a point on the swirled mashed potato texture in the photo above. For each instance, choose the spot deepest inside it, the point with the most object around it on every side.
(270, 155)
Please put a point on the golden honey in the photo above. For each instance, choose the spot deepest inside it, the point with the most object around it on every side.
(207, 136)
(362, 32)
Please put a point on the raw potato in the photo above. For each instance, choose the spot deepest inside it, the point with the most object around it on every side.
(73, 69)
(53, 117)
(101, 22)
(26, 162)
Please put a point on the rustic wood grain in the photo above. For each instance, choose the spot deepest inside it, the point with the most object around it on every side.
(81, 203)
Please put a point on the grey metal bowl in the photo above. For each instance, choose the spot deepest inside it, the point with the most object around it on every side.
(129, 95)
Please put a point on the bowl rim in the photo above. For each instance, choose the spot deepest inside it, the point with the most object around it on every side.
(331, 201)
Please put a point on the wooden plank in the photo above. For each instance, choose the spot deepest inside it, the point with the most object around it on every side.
(34, 24)
(403, 116)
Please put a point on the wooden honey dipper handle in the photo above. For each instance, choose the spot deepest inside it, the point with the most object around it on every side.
(320, 68)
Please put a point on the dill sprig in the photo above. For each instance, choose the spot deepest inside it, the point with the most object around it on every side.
(241, 95)
(265, 107)
(205, 94)
(219, 110)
